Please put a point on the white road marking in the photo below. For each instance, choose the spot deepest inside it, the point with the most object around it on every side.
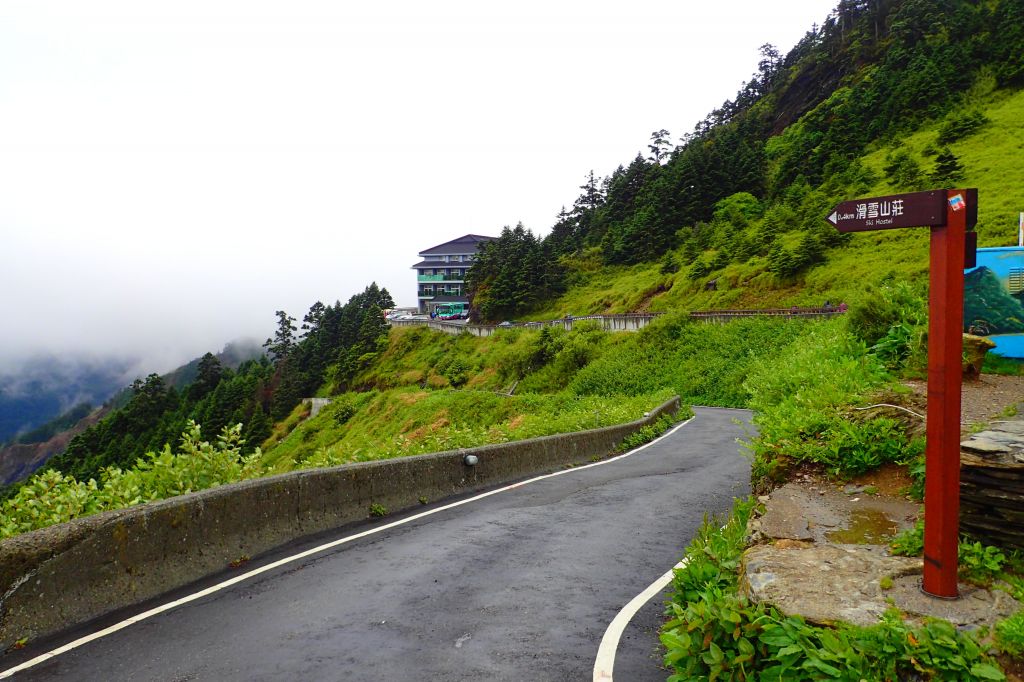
(604, 664)
(309, 552)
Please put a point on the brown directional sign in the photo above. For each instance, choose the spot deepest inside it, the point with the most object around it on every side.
(916, 209)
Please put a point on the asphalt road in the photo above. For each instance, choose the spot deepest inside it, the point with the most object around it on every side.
(516, 586)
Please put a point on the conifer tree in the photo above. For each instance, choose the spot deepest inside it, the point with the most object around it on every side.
(948, 169)
(284, 339)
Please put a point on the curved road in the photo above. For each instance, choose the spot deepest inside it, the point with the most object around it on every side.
(519, 585)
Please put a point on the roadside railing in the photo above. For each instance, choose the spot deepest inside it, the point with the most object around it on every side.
(793, 311)
(628, 322)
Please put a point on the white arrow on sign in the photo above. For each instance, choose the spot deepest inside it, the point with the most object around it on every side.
(833, 219)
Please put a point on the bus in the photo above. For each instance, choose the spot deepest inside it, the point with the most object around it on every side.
(452, 311)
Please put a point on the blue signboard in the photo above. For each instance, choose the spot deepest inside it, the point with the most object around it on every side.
(994, 299)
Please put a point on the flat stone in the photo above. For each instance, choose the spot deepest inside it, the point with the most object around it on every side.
(984, 446)
(1015, 426)
(824, 583)
(1001, 436)
(976, 607)
(786, 515)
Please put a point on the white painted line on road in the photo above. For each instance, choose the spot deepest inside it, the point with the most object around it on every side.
(309, 552)
(604, 665)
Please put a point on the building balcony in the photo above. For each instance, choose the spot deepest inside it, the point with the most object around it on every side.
(447, 279)
(440, 292)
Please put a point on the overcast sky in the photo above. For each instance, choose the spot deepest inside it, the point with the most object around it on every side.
(172, 173)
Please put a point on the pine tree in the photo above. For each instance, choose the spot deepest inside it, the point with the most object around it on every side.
(948, 169)
(660, 147)
(284, 339)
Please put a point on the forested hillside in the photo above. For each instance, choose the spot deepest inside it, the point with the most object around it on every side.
(751, 184)
(156, 411)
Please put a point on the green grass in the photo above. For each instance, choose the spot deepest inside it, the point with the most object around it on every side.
(601, 289)
(991, 158)
(409, 421)
(429, 391)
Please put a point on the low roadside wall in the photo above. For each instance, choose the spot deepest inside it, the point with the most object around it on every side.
(54, 578)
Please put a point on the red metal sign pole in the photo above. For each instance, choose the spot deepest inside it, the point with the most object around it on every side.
(942, 458)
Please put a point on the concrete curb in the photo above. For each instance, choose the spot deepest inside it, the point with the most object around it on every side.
(57, 577)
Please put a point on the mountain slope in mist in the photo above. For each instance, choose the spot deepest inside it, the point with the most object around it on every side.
(47, 386)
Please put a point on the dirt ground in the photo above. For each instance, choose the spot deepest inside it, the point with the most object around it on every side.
(985, 398)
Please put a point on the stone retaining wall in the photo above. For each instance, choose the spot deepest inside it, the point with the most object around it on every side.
(992, 485)
(54, 578)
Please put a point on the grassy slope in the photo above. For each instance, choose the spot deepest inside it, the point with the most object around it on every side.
(992, 161)
(429, 391)
(410, 421)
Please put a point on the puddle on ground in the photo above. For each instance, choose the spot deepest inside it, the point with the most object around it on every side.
(867, 527)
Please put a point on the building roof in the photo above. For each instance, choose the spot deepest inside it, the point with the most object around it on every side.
(469, 243)
(441, 264)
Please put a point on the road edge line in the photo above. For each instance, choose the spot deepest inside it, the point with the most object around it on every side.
(604, 664)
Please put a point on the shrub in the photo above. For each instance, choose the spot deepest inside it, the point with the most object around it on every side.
(717, 634)
(51, 497)
(1010, 635)
(798, 396)
(852, 448)
(870, 318)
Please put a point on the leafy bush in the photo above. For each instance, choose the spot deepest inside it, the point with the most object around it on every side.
(909, 542)
(798, 396)
(51, 497)
(717, 634)
(854, 448)
(980, 564)
(895, 347)
(1010, 635)
(646, 434)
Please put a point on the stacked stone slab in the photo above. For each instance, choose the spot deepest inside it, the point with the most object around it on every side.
(992, 485)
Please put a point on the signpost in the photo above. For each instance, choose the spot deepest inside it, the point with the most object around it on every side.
(917, 209)
(949, 214)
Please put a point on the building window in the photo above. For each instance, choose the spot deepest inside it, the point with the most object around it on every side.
(1016, 280)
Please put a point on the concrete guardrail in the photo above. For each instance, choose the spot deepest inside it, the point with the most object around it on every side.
(55, 578)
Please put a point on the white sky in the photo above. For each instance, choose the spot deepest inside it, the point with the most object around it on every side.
(172, 173)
